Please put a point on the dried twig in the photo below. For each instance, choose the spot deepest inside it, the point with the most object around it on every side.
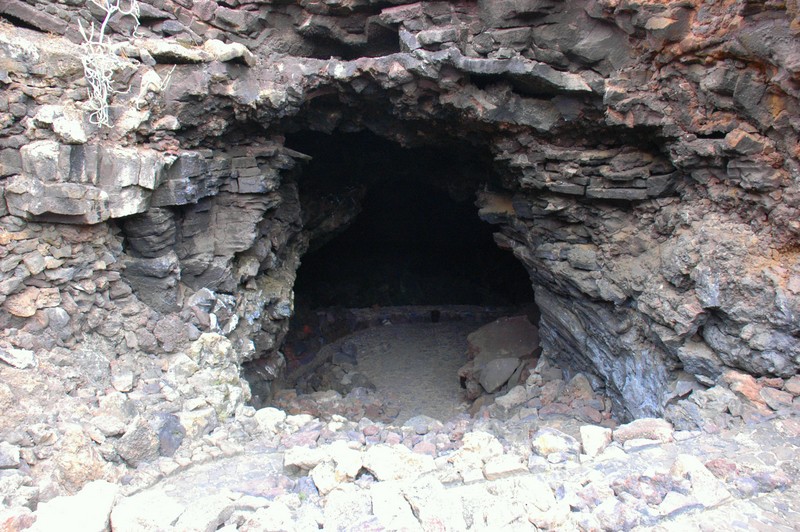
(99, 60)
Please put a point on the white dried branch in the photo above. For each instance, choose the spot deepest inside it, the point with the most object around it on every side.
(99, 60)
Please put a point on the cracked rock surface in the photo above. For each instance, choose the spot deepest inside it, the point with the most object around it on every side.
(640, 160)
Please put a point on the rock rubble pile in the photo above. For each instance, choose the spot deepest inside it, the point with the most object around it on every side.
(512, 465)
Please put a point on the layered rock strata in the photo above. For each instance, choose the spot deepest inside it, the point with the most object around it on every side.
(644, 171)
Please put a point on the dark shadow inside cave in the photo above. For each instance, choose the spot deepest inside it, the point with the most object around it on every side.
(417, 239)
(412, 245)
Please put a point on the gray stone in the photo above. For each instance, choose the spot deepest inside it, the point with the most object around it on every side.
(347, 507)
(776, 399)
(229, 52)
(706, 488)
(699, 359)
(792, 385)
(434, 506)
(627, 194)
(139, 444)
(10, 162)
(18, 358)
(9, 456)
(423, 424)
(504, 466)
(62, 202)
(391, 508)
(150, 234)
(206, 514)
(496, 372)
(170, 435)
(38, 18)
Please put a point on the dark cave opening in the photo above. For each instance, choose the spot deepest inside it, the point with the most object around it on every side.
(412, 244)
(394, 231)
(394, 238)
(409, 233)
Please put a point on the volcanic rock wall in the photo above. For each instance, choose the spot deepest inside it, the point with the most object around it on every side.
(645, 173)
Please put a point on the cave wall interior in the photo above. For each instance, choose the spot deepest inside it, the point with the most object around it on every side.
(643, 169)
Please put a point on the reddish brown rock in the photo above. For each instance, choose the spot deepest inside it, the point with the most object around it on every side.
(743, 384)
(23, 304)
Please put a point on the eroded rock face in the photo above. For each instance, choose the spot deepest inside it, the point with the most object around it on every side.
(645, 173)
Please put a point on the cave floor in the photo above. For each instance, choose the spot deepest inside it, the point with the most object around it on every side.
(415, 366)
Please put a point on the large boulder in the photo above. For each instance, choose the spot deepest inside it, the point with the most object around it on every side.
(497, 352)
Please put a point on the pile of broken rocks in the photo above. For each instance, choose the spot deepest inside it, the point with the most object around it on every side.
(546, 455)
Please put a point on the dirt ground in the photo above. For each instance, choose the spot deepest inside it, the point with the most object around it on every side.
(416, 366)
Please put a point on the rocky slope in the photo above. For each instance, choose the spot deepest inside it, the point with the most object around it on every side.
(642, 166)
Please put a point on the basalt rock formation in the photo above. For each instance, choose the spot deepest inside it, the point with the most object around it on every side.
(639, 158)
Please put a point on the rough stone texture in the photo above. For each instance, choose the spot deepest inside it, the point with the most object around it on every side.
(646, 154)
(644, 428)
(725, 477)
(496, 351)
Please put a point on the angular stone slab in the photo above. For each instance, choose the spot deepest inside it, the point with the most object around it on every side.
(504, 338)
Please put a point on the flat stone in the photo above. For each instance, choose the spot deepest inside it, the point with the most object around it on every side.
(644, 428)
(496, 373)
(172, 51)
(435, 507)
(149, 510)
(391, 508)
(38, 18)
(628, 194)
(396, 462)
(674, 502)
(306, 458)
(89, 509)
(346, 507)
(422, 424)
(22, 304)
(513, 337)
(706, 488)
(743, 384)
(776, 399)
(514, 397)
(793, 385)
(229, 51)
(206, 514)
(505, 465)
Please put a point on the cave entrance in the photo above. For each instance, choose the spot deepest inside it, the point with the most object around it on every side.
(394, 238)
(411, 244)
